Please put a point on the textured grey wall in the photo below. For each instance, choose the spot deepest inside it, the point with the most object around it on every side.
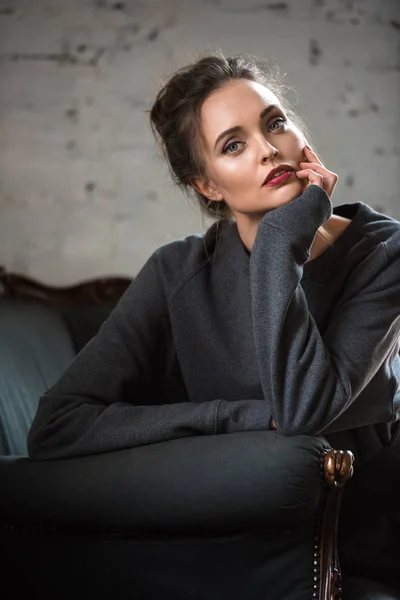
(83, 191)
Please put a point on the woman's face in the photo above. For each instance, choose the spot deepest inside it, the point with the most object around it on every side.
(238, 162)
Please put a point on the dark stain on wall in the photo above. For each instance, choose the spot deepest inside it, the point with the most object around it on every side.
(315, 53)
(153, 34)
(377, 19)
(353, 112)
(330, 15)
(373, 106)
(152, 196)
(96, 57)
(395, 24)
(338, 17)
(366, 106)
(71, 145)
(128, 30)
(61, 58)
(6, 11)
(276, 6)
(90, 187)
(283, 6)
(110, 5)
(32, 56)
(349, 180)
(84, 54)
(125, 36)
(73, 115)
(379, 151)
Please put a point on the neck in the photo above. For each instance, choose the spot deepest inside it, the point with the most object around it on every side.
(247, 228)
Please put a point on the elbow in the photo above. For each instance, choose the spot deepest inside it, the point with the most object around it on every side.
(36, 443)
(58, 429)
(37, 440)
(42, 447)
(42, 440)
(34, 449)
(44, 443)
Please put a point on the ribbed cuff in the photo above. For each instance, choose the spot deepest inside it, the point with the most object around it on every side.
(300, 218)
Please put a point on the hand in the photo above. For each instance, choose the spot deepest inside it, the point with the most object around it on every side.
(272, 424)
(314, 172)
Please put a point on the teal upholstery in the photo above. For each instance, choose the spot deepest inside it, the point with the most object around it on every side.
(35, 348)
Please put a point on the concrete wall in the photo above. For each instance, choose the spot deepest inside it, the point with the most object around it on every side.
(83, 191)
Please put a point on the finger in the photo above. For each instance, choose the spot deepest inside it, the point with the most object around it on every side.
(326, 182)
(312, 176)
(310, 155)
(330, 175)
(317, 167)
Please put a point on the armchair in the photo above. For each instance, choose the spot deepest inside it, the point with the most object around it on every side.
(245, 515)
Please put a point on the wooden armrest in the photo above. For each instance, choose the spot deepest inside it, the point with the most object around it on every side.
(337, 469)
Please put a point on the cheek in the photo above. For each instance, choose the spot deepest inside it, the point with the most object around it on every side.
(236, 174)
(297, 142)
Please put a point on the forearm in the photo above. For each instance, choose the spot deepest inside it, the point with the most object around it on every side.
(67, 426)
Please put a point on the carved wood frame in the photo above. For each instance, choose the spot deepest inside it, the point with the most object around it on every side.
(337, 469)
(94, 291)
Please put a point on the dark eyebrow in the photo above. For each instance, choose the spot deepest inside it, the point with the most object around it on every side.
(238, 127)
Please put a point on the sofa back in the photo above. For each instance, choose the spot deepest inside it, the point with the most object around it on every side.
(42, 328)
(35, 348)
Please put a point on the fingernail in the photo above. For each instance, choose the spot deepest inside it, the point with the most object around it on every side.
(308, 148)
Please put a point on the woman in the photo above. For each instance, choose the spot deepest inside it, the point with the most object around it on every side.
(285, 314)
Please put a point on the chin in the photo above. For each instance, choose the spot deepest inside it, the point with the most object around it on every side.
(284, 194)
(276, 196)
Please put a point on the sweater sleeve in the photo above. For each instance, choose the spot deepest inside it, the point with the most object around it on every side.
(105, 399)
(310, 379)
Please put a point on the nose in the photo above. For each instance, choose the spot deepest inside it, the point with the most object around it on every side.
(267, 151)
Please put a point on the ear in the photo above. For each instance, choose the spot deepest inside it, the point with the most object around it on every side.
(207, 189)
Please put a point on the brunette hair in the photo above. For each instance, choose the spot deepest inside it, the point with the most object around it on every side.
(175, 114)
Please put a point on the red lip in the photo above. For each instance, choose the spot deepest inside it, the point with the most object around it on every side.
(272, 172)
(280, 179)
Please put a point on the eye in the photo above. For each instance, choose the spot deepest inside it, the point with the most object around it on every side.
(231, 148)
(280, 121)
